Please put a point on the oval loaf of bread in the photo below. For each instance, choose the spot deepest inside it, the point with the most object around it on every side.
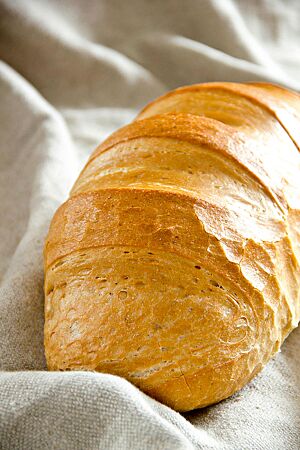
(175, 261)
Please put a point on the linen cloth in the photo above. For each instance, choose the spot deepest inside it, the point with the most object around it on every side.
(73, 71)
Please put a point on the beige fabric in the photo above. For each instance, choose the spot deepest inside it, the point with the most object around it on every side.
(72, 72)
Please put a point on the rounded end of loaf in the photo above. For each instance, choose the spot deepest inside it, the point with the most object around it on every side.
(180, 333)
(168, 311)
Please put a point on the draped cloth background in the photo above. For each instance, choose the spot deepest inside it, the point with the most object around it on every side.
(72, 71)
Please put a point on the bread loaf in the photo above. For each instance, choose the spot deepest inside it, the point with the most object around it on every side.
(175, 261)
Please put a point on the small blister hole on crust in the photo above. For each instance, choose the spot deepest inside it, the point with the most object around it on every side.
(122, 295)
(50, 290)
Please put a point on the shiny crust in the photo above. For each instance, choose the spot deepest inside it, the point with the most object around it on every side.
(281, 103)
(175, 261)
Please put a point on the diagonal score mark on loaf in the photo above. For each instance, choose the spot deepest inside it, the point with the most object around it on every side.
(168, 211)
(236, 104)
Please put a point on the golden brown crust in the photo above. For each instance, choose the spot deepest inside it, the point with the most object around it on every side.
(216, 136)
(281, 103)
(77, 225)
(175, 262)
